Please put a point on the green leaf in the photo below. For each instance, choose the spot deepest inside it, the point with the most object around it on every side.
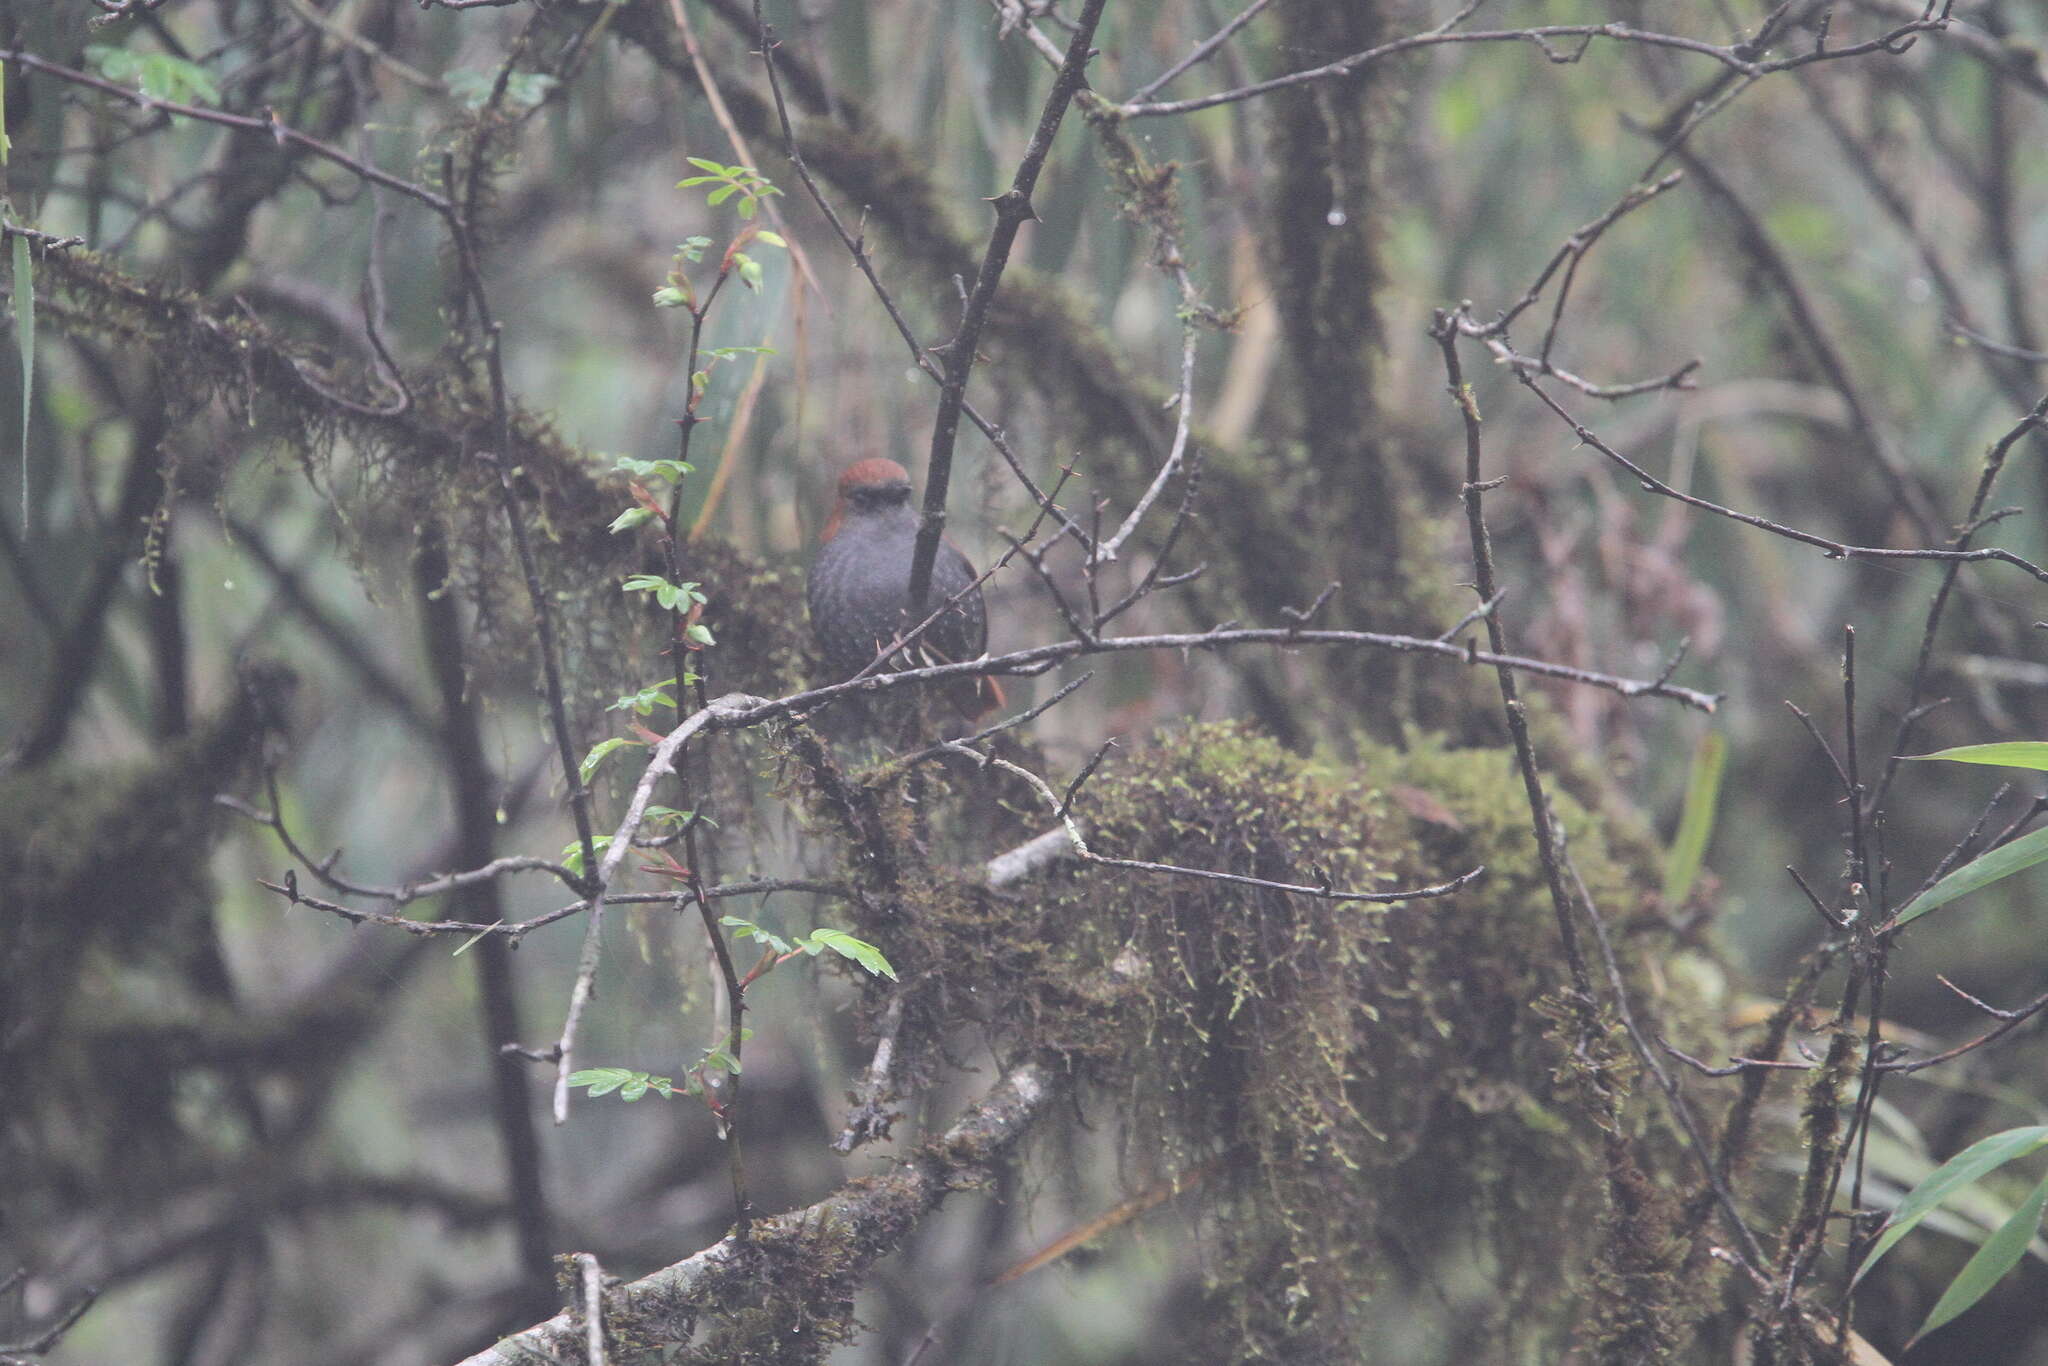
(644, 702)
(773, 239)
(602, 1081)
(645, 583)
(671, 470)
(750, 273)
(2008, 754)
(631, 519)
(115, 63)
(701, 164)
(747, 929)
(173, 78)
(721, 194)
(2002, 862)
(523, 89)
(572, 852)
(1696, 820)
(597, 755)
(630, 1085)
(846, 946)
(1950, 1178)
(25, 342)
(700, 633)
(1999, 1254)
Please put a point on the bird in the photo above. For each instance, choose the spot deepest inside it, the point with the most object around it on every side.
(859, 588)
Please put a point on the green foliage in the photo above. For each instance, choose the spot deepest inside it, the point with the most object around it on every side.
(1987, 1267)
(631, 519)
(2000, 1252)
(159, 74)
(572, 852)
(817, 941)
(652, 471)
(750, 185)
(1696, 819)
(597, 755)
(1951, 1179)
(1989, 867)
(2005, 754)
(523, 89)
(630, 1085)
(671, 596)
(643, 702)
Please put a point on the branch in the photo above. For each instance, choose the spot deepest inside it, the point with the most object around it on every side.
(852, 1228)
(1013, 211)
(1736, 57)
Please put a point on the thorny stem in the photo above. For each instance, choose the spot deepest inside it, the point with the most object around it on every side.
(1013, 211)
(736, 1000)
(856, 247)
(1446, 333)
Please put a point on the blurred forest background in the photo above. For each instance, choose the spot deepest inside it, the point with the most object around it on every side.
(257, 548)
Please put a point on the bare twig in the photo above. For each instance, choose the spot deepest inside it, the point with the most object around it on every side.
(1013, 210)
(1737, 57)
(1202, 52)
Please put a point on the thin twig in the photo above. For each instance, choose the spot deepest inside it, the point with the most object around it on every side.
(1543, 37)
(1013, 210)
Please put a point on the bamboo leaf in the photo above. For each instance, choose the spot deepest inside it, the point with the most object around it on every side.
(2002, 862)
(1696, 820)
(1950, 1179)
(1999, 1254)
(2006, 754)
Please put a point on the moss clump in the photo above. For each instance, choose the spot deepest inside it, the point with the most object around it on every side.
(1382, 1096)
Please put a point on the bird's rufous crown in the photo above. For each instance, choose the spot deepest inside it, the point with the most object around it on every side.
(872, 473)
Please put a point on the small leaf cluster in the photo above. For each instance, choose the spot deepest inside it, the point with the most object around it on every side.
(750, 185)
(646, 507)
(158, 74)
(654, 818)
(820, 940)
(631, 1085)
(523, 89)
(673, 597)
